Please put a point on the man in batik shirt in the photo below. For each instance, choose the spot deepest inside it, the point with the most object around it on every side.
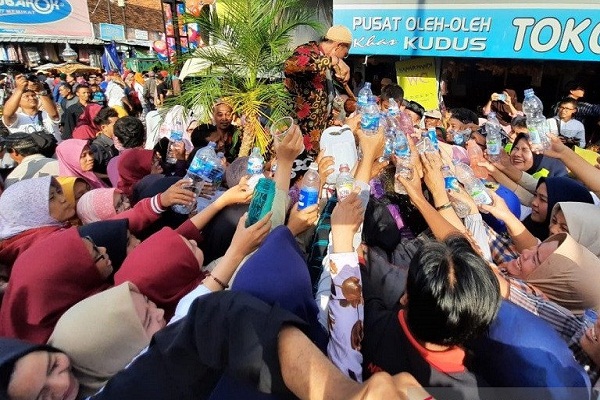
(309, 73)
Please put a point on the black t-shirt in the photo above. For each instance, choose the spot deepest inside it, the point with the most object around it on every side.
(161, 89)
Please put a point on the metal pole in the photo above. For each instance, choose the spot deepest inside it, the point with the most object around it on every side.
(175, 18)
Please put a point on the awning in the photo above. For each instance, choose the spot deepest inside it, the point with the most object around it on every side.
(49, 39)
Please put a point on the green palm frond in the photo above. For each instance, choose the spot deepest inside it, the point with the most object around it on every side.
(252, 41)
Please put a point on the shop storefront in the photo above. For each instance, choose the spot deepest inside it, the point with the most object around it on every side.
(478, 47)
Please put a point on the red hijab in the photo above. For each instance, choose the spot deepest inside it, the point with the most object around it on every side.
(47, 279)
(163, 268)
(134, 164)
(86, 128)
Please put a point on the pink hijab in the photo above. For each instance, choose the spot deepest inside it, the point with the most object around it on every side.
(86, 128)
(97, 205)
(68, 153)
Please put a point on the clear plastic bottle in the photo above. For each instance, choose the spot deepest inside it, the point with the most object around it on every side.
(344, 184)
(536, 122)
(473, 185)
(175, 139)
(493, 138)
(219, 171)
(403, 165)
(393, 109)
(311, 185)
(369, 121)
(476, 156)
(451, 183)
(431, 134)
(200, 173)
(256, 163)
(401, 147)
(425, 145)
(363, 97)
(461, 136)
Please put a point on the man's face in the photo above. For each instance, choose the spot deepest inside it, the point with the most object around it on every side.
(455, 125)
(29, 100)
(70, 79)
(577, 93)
(223, 116)
(341, 50)
(84, 94)
(63, 91)
(432, 122)
(566, 111)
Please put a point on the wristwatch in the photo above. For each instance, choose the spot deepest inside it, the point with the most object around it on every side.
(42, 93)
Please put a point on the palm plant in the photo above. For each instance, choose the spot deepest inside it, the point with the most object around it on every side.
(252, 41)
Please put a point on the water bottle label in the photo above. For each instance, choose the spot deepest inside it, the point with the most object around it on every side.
(388, 148)
(493, 147)
(344, 190)
(451, 183)
(308, 197)
(434, 141)
(176, 136)
(369, 122)
(481, 197)
(363, 100)
(255, 167)
(459, 139)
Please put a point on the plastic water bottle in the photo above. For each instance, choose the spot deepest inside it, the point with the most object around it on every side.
(388, 148)
(369, 121)
(425, 145)
(589, 318)
(219, 171)
(344, 184)
(476, 156)
(405, 123)
(403, 165)
(363, 97)
(460, 137)
(536, 122)
(493, 138)
(311, 185)
(199, 173)
(393, 110)
(256, 164)
(431, 134)
(451, 183)
(175, 139)
(473, 185)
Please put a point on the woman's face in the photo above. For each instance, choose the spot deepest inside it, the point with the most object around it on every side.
(58, 206)
(558, 223)
(86, 159)
(193, 246)
(530, 259)
(521, 156)
(79, 189)
(121, 202)
(590, 344)
(151, 317)
(43, 375)
(100, 257)
(539, 204)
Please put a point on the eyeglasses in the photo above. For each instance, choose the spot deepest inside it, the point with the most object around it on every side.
(99, 256)
(565, 108)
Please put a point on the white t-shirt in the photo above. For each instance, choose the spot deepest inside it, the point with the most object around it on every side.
(27, 123)
(114, 94)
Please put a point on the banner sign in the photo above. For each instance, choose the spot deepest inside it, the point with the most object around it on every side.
(111, 32)
(417, 78)
(525, 30)
(45, 17)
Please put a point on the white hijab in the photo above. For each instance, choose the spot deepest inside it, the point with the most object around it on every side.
(24, 205)
(583, 221)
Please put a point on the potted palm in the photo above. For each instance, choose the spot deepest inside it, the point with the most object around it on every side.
(252, 39)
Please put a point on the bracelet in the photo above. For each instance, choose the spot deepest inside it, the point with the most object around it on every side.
(220, 282)
(444, 206)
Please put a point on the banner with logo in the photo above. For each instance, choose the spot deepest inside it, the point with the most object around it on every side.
(64, 18)
(417, 78)
(534, 29)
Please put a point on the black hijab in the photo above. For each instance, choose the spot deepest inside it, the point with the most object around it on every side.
(110, 234)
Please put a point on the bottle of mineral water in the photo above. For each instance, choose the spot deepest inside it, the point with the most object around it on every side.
(175, 139)
(256, 164)
(344, 184)
(493, 138)
(403, 165)
(311, 185)
(199, 174)
(369, 121)
(473, 185)
(363, 97)
(536, 122)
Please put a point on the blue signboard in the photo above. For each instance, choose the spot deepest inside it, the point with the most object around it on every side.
(31, 12)
(111, 32)
(486, 31)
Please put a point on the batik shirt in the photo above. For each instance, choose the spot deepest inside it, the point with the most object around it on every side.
(306, 79)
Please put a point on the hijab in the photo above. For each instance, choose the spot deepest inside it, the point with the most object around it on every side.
(11, 350)
(86, 128)
(68, 153)
(559, 189)
(97, 205)
(163, 268)
(67, 183)
(101, 335)
(570, 276)
(503, 110)
(583, 221)
(537, 158)
(52, 275)
(109, 234)
(24, 205)
(134, 164)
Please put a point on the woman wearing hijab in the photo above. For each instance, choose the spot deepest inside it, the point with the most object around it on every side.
(580, 220)
(134, 164)
(30, 210)
(114, 236)
(534, 164)
(86, 128)
(73, 188)
(75, 158)
(111, 203)
(52, 275)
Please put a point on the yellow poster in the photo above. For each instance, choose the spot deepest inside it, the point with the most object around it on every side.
(417, 78)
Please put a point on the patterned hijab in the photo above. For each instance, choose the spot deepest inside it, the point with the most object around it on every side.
(97, 205)
(68, 153)
(25, 205)
(112, 337)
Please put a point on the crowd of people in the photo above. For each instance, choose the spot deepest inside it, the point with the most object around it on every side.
(420, 293)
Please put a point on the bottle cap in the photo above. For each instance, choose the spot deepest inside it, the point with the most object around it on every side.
(314, 166)
(344, 167)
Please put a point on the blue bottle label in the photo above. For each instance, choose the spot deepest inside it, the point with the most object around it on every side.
(451, 183)
(369, 122)
(308, 197)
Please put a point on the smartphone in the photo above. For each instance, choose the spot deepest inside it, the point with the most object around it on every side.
(262, 201)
